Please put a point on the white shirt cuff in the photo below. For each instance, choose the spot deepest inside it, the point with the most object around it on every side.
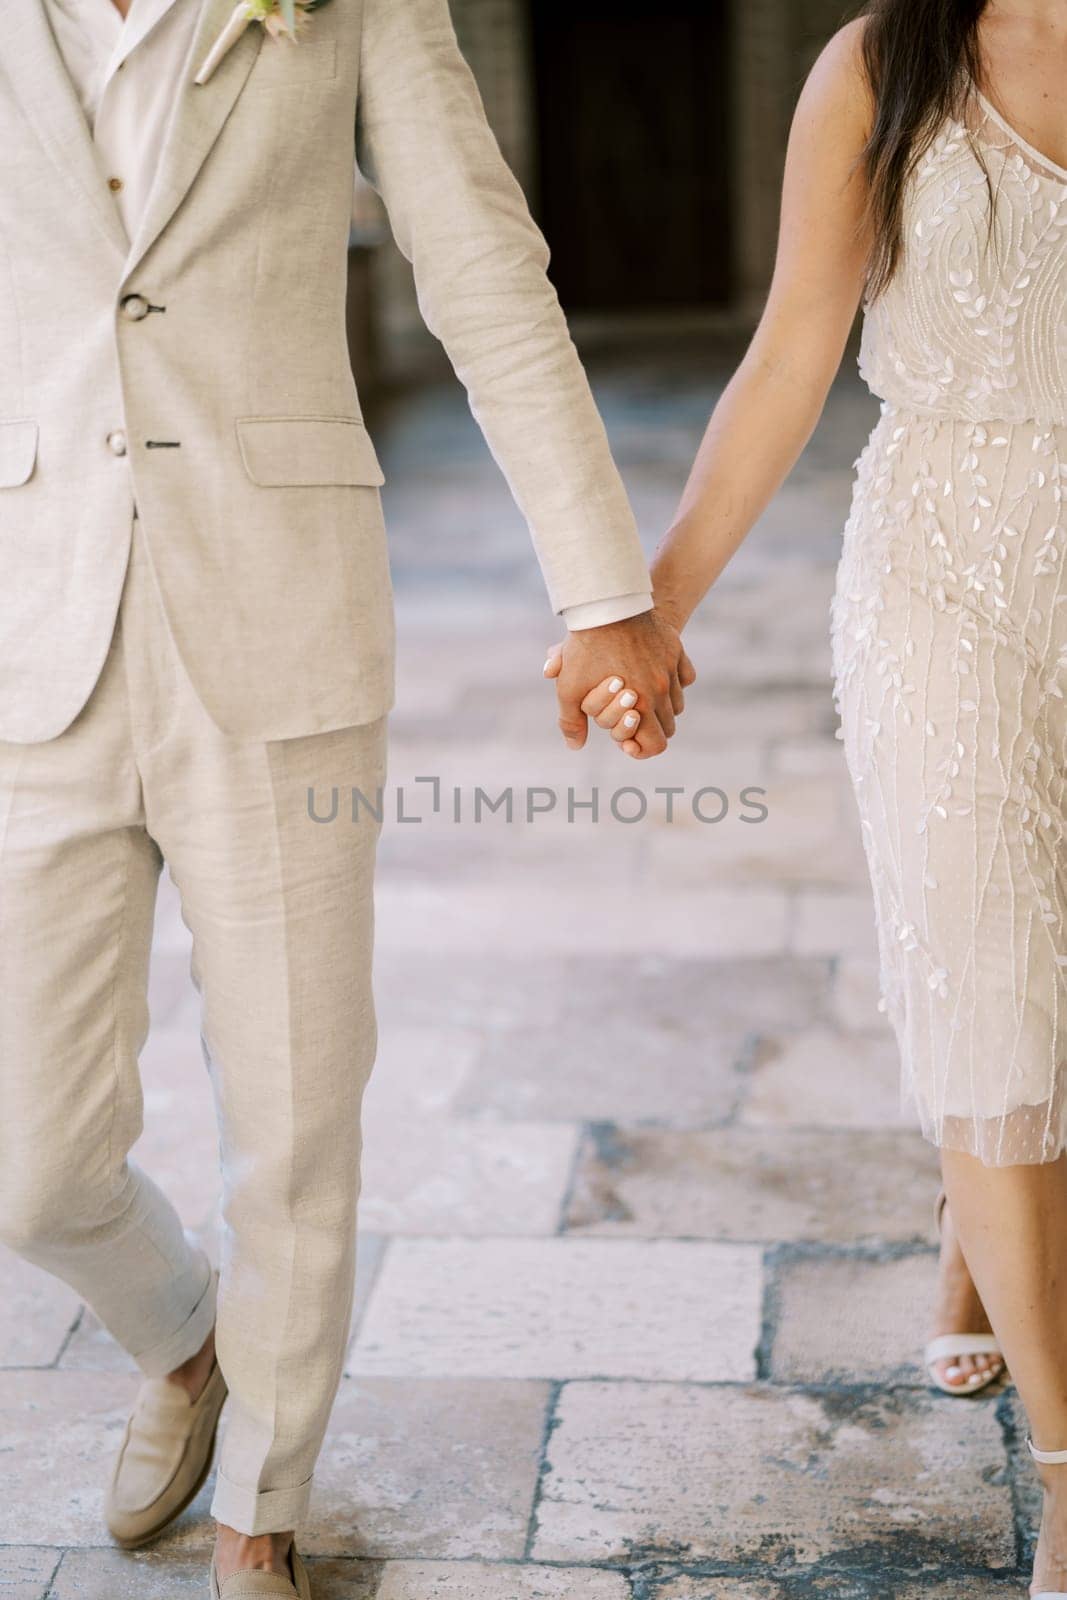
(598, 613)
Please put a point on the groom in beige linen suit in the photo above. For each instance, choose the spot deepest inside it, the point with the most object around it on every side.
(196, 626)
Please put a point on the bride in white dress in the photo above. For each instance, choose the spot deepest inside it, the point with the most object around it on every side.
(927, 179)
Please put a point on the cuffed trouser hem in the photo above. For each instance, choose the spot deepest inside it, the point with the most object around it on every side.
(253, 1511)
(162, 1358)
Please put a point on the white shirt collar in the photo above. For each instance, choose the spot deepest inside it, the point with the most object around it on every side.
(140, 20)
(111, 32)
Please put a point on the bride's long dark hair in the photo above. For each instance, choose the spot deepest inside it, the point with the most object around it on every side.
(922, 58)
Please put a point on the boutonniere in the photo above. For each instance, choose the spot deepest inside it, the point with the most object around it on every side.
(282, 19)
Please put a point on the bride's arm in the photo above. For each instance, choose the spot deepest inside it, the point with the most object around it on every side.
(770, 409)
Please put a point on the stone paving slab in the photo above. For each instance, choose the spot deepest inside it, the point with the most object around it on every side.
(824, 1078)
(853, 1320)
(439, 1469)
(443, 1176)
(555, 857)
(808, 756)
(420, 1067)
(563, 1308)
(625, 1068)
(774, 629)
(92, 1349)
(59, 1434)
(772, 1476)
(472, 1580)
(37, 1313)
(836, 1585)
(643, 1040)
(444, 1469)
(482, 1581)
(718, 718)
(704, 1588)
(609, 855)
(513, 736)
(118, 1575)
(683, 996)
(422, 920)
(520, 747)
(25, 1572)
(742, 1184)
(779, 851)
(856, 992)
(712, 749)
(827, 921)
(809, 835)
(371, 1250)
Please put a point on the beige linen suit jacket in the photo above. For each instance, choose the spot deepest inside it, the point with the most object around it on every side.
(246, 454)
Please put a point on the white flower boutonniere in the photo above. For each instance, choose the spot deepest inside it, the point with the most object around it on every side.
(283, 19)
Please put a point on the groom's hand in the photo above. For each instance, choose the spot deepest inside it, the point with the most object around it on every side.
(646, 653)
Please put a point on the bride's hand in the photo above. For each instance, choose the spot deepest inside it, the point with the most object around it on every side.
(610, 705)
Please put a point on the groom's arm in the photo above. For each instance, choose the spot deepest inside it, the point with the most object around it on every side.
(480, 262)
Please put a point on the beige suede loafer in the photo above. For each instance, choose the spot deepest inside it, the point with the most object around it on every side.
(166, 1454)
(260, 1585)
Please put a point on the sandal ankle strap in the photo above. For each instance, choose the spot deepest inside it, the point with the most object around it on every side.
(1048, 1458)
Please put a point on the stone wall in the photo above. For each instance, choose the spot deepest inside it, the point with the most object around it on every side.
(492, 36)
(773, 46)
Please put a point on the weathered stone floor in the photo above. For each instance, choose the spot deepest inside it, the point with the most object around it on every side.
(648, 1243)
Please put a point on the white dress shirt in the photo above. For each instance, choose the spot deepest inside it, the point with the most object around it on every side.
(125, 71)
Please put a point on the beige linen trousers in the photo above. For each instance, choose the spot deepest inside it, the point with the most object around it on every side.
(174, 696)
(280, 908)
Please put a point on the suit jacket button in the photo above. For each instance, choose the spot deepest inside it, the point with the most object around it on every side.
(134, 306)
(116, 442)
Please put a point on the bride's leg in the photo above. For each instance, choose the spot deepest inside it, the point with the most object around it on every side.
(958, 1308)
(1012, 1224)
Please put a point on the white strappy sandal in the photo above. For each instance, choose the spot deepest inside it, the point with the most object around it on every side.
(1048, 1458)
(961, 1344)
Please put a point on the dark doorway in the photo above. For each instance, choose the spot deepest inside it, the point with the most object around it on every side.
(633, 122)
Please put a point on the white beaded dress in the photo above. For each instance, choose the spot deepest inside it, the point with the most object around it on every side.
(949, 631)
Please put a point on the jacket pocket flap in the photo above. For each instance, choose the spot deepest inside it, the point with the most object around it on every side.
(281, 452)
(18, 452)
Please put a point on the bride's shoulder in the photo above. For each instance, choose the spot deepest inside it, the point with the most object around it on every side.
(839, 85)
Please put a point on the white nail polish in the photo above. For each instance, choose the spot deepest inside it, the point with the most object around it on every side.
(631, 721)
(952, 1373)
(615, 685)
(628, 699)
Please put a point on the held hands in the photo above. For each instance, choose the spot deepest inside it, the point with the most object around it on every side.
(628, 676)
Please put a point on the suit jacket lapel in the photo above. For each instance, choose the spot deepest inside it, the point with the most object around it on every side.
(42, 85)
(200, 110)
